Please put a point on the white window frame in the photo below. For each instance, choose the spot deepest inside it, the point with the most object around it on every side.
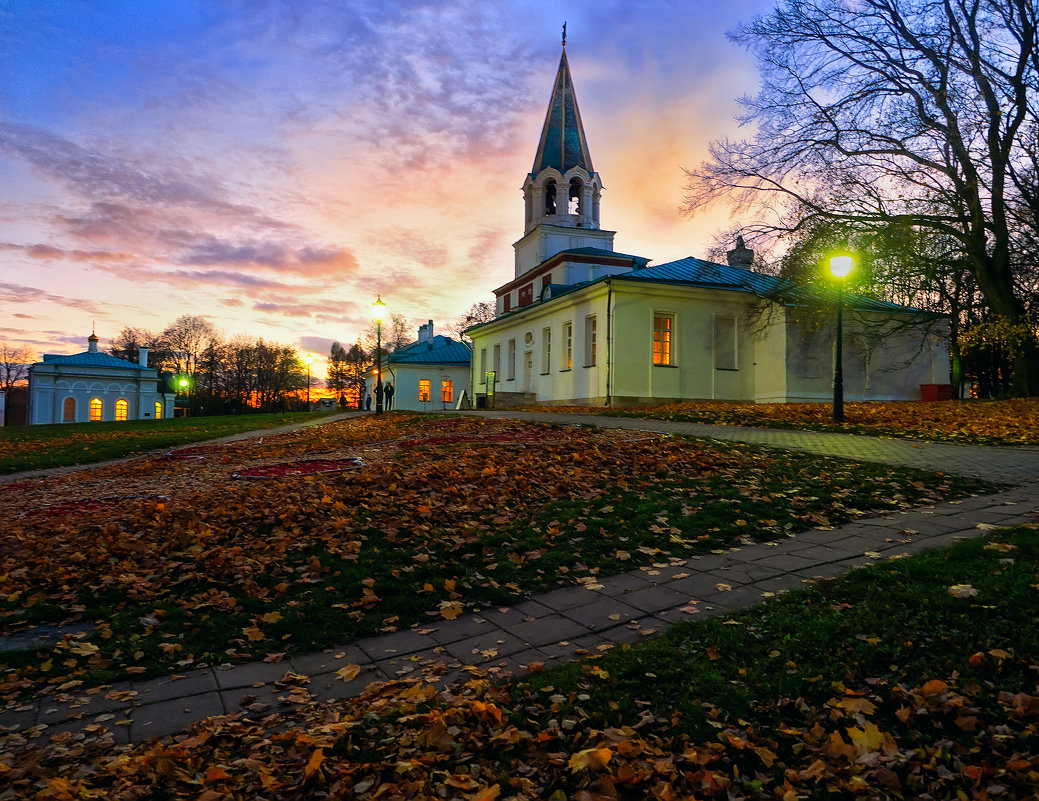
(669, 335)
(591, 336)
(546, 351)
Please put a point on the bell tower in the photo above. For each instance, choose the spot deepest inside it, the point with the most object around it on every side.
(561, 193)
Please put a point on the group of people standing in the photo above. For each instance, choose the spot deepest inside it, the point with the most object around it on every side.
(387, 397)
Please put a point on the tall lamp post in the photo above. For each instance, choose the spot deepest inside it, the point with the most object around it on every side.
(840, 266)
(308, 359)
(378, 312)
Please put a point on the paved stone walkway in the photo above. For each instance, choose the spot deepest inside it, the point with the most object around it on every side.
(570, 622)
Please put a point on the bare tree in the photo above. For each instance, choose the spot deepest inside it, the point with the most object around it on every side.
(879, 112)
(14, 364)
(187, 338)
(480, 312)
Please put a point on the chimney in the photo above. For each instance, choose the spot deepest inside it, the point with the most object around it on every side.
(142, 355)
(740, 256)
(425, 332)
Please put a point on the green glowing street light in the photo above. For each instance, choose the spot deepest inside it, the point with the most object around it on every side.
(840, 266)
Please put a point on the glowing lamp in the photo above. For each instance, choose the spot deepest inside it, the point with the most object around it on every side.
(378, 310)
(840, 266)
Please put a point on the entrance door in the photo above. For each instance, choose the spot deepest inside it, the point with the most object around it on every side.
(528, 372)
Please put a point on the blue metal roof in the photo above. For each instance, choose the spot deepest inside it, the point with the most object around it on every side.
(698, 272)
(438, 350)
(88, 359)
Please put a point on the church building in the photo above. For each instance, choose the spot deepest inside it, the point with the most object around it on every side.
(580, 323)
(93, 387)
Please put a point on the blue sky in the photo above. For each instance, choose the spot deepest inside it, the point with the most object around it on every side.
(275, 165)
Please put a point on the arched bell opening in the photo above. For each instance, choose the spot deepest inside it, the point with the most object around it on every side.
(575, 205)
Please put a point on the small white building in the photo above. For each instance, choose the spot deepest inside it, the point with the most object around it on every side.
(582, 324)
(94, 386)
(427, 375)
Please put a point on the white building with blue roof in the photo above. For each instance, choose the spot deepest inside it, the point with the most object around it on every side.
(427, 375)
(95, 386)
(580, 323)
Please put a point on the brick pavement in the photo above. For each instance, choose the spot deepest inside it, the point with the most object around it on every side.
(569, 622)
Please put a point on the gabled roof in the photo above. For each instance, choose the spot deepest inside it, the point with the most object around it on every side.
(438, 350)
(88, 359)
(563, 144)
(698, 272)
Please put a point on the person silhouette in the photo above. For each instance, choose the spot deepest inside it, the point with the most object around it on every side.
(387, 395)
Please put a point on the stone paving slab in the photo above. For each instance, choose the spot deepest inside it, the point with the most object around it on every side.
(170, 717)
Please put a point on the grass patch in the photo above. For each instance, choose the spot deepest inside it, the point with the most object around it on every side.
(988, 422)
(449, 514)
(880, 684)
(38, 447)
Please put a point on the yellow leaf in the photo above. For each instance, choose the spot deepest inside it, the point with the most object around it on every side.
(253, 633)
(449, 610)
(867, 739)
(271, 617)
(348, 673)
(934, 687)
(314, 764)
(485, 794)
(590, 759)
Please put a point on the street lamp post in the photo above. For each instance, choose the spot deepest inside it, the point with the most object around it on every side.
(840, 266)
(308, 359)
(378, 311)
(183, 382)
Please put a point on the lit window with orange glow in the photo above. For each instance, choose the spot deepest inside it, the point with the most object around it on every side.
(663, 331)
(423, 390)
(158, 410)
(446, 391)
(121, 407)
(96, 407)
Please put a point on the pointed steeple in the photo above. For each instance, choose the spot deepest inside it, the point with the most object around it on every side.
(563, 144)
(561, 193)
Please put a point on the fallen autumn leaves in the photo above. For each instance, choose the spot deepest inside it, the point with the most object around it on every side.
(992, 422)
(185, 567)
(855, 708)
(450, 512)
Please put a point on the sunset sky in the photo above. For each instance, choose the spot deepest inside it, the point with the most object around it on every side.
(275, 165)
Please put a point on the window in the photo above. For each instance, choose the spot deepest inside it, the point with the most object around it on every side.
(590, 337)
(423, 390)
(96, 408)
(446, 390)
(725, 343)
(512, 360)
(546, 350)
(120, 410)
(545, 281)
(158, 410)
(507, 302)
(496, 362)
(526, 295)
(483, 365)
(663, 329)
(568, 346)
(68, 411)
